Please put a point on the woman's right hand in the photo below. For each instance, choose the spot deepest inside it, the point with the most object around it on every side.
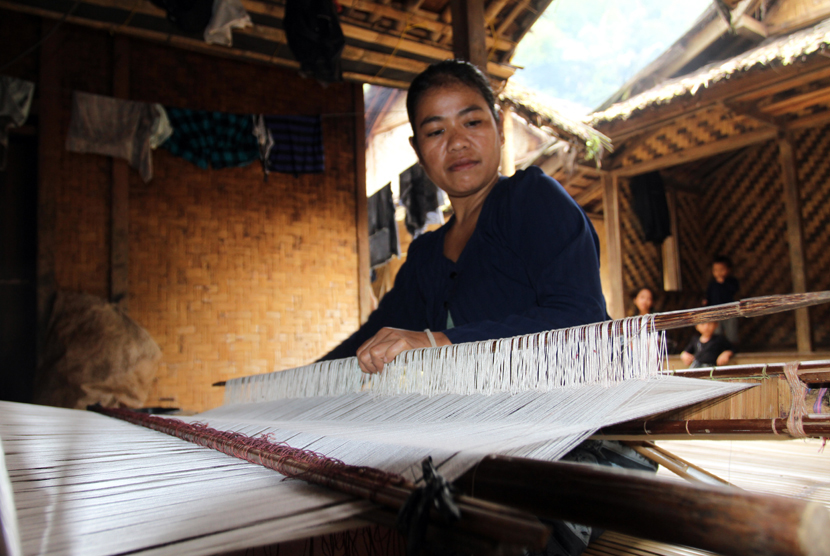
(384, 346)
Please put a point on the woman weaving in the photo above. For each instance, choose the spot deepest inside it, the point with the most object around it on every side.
(518, 256)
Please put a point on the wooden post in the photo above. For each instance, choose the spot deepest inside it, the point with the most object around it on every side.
(120, 188)
(795, 238)
(671, 249)
(508, 155)
(468, 37)
(611, 207)
(50, 148)
(364, 282)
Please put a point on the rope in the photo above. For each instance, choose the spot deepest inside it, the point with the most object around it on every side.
(798, 391)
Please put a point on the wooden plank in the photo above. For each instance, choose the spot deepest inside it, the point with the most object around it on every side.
(120, 193)
(795, 239)
(50, 148)
(611, 210)
(671, 249)
(590, 193)
(364, 280)
(468, 32)
(696, 153)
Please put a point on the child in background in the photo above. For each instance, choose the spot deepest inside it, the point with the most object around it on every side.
(708, 349)
(722, 289)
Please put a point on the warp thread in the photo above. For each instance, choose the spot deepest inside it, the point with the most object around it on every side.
(798, 392)
(602, 353)
(292, 462)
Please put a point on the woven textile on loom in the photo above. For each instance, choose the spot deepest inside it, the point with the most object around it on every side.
(87, 484)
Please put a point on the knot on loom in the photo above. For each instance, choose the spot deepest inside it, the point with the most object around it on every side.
(413, 516)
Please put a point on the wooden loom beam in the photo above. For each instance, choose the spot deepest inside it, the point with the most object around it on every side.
(712, 429)
(718, 518)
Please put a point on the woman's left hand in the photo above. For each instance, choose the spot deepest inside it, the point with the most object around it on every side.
(384, 346)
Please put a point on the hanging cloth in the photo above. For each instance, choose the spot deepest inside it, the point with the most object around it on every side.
(191, 16)
(383, 230)
(421, 199)
(217, 139)
(116, 127)
(315, 38)
(15, 102)
(290, 144)
(650, 206)
(227, 16)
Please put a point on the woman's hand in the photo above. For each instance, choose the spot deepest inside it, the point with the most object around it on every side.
(382, 348)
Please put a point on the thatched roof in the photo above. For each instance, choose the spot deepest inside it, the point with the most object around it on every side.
(539, 111)
(781, 51)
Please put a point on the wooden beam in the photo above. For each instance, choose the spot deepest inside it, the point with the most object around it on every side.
(611, 209)
(50, 149)
(590, 193)
(696, 153)
(810, 17)
(797, 102)
(795, 239)
(364, 280)
(120, 188)
(741, 88)
(468, 37)
(351, 53)
(517, 10)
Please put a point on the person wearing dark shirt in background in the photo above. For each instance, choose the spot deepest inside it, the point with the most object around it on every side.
(708, 349)
(722, 289)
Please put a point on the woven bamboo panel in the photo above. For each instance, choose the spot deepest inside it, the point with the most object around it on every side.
(694, 130)
(813, 167)
(642, 263)
(770, 399)
(744, 218)
(230, 274)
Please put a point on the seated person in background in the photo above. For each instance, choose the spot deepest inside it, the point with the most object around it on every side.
(722, 289)
(708, 349)
(643, 300)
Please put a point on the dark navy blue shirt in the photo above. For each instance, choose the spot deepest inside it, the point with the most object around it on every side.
(531, 264)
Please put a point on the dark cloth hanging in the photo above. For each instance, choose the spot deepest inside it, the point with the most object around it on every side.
(291, 144)
(650, 206)
(315, 38)
(191, 16)
(383, 230)
(217, 139)
(419, 196)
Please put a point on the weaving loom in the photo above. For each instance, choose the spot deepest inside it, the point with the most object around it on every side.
(87, 484)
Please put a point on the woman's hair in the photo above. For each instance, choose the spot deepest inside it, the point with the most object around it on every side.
(636, 292)
(448, 72)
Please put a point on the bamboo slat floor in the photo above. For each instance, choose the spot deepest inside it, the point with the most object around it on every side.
(794, 468)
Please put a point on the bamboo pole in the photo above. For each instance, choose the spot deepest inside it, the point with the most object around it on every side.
(709, 428)
(751, 307)
(810, 372)
(506, 526)
(717, 518)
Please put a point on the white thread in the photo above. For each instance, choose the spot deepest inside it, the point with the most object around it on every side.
(431, 337)
(603, 353)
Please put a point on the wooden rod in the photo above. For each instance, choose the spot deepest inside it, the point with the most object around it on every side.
(810, 372)
(752, 307)
(717, 518)
(675, 464)
(813, 427)
(479, 518)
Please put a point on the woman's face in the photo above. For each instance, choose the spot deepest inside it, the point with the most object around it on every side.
(644, 301)
(457, 139)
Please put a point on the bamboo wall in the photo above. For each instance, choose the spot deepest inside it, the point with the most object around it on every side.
(740, 212)
(230, 274)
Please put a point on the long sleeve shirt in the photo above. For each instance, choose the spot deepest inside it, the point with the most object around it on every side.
(532, 264)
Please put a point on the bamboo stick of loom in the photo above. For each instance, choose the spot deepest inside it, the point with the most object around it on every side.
(713, 427)
(478, 518)
(809, 372)
(751, 307)
(722, 519)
